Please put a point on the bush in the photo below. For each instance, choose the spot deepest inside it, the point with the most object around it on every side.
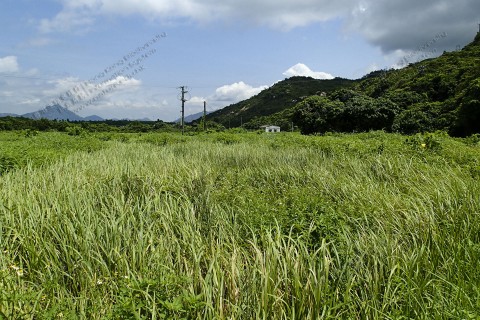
(345, 111)
(30, 133)
(428, 141)
(75, 131)
(412, 121)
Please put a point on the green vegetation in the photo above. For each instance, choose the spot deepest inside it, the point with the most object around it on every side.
(345, 111)
(277, 98)
(19, 123)
(241, 226)
(131, 220)
(431, 95)
(32, 148)
(434, 94)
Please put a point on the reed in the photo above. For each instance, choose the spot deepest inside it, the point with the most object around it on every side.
(244, 227)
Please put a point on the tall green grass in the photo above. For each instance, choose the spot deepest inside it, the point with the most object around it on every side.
(21, 148)
(245, 226)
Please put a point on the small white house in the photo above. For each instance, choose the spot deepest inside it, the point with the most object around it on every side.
(272, 129)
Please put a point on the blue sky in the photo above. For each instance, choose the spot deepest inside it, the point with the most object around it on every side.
(223, 51)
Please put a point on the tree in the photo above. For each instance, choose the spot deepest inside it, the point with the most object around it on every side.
(317, 115)
(468, 120)
(412, 121)
(345, 111)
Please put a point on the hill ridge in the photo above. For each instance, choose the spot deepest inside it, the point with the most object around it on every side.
(439, 93)
(280, 96)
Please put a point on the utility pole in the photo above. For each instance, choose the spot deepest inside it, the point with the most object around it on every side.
(204, 115)
(183, 108)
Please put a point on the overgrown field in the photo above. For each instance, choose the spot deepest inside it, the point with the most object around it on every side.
(240, 226)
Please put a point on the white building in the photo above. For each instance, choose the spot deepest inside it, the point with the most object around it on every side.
(272, 129)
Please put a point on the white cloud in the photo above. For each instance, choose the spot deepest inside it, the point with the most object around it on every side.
(390, 25)
(34, 101)
(9, 64)
(236, 92)
(280, 14)
(60, 86)
(197, 100)
(126, 84)
(63, 85)
(21, 93)
(68, 20)
(302, 70)
(223, 96)
(31, 91)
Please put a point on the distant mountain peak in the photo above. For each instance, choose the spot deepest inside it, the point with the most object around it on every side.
(191, 117)
(55, 107)
(57, 112)
(54, 112)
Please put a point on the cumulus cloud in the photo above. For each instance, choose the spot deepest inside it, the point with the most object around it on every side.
(21, 94)
(124, 82)
(236, 92)
(410, 24)
(224, 95)
(77, 95)
(283, 14)
(197, 100)
(9, 64)
(390, 25)
(65, 84)
(31, 92)
(302, 70)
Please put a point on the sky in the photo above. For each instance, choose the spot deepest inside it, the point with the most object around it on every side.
(127, 58)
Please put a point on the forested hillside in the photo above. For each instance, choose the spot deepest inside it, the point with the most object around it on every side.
(435, 94)
(282, 95)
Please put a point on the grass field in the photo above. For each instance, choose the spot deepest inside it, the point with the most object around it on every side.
(239, 226)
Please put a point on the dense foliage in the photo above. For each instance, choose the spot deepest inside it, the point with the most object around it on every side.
(345, 111)
(431, 95)
(20, 123)
(435, 94)
(280, 96)
(241, 226)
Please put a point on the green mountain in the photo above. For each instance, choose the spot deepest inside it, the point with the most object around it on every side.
(435, 94)
(442, 93)
(280, 96)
